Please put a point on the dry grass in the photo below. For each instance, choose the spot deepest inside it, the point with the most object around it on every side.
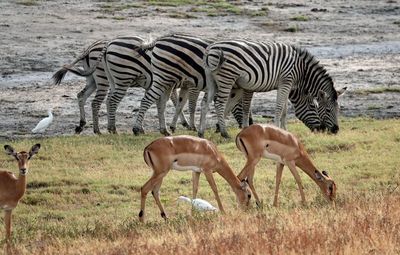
(83, 198)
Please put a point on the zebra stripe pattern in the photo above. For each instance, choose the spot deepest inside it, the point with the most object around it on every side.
(262, 67)
(125, 69)
(176, 60)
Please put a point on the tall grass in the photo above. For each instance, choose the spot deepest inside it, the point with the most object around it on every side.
(83, 198)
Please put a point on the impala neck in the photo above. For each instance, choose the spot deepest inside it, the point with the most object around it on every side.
(227, 173)
(308, 167)
(21, 183)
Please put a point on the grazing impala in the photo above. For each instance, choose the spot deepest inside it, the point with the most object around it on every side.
(257, 141)
(188, 153)
(11, 188)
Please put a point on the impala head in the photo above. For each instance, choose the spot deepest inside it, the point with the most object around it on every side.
(327, 185)
(244, 194)
(22, 157)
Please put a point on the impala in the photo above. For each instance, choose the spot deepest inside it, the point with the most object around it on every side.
(195, 154)
(257, 141)
(11, 188)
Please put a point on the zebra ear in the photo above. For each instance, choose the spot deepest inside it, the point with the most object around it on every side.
(322, 96)
(341, 91)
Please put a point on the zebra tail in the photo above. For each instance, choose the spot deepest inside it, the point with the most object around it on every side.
(221, 60)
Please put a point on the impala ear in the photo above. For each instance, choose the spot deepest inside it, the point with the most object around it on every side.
(10, 150)
(325, 173)
(318, 176)
(341, 91)
(34, 150)
(244, 184)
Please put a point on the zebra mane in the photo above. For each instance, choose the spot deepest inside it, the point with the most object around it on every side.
(308, 59)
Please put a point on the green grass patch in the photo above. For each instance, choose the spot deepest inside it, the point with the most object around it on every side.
(292, 29)
(84, 196)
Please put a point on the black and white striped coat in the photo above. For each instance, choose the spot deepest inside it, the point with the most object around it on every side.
(262, 67)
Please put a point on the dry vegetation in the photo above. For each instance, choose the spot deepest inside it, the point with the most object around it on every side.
(83, 199)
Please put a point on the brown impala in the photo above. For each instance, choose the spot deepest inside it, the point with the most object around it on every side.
(257, 141)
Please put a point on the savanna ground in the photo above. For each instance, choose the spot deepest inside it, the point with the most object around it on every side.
(83, 191)
(83, 198)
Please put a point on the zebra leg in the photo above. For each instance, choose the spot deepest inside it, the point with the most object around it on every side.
(284, 113)
(98, 99)
(82, 97)
(193, 96)
(246, 101)
(220, 104)
(113, 100)
(161, 103)
(183, 96)
(207, 99)
(281, 104)
(150, 96)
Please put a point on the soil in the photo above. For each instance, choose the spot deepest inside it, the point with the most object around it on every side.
(357, 41)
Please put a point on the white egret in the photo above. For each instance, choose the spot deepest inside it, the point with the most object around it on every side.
(199, 204)
(44, 123)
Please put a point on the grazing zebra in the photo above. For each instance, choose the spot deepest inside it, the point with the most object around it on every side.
(175, 58)
(261, 67)
(127, 69)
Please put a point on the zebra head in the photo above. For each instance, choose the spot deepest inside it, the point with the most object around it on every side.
(328, 110)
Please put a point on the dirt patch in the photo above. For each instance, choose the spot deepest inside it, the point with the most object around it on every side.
(357, 41)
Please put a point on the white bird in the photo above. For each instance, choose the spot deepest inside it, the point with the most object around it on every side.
(199, 204)
(44, 123)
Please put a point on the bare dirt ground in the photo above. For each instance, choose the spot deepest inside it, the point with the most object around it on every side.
(357, 41)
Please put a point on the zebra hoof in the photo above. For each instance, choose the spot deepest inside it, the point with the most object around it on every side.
(97, 132)
(165, 132)
(78, 130)
(225, 135)
(112, 130)
(137, 130)
(186, 125)
(173, 129)
(200, 134)
(193, 128)
(217, 129)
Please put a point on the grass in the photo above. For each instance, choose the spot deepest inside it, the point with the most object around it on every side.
(83, 198)
(292, 29)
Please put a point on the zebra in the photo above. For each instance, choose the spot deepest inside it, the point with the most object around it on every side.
(262, 67)
(176, 58)
(126, 68)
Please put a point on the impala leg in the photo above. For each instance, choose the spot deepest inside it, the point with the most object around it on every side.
(296, 175)
(195, 179)
(149, 185)
(7, 222)
(156, 195)
(211, 181)
(279, 170)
